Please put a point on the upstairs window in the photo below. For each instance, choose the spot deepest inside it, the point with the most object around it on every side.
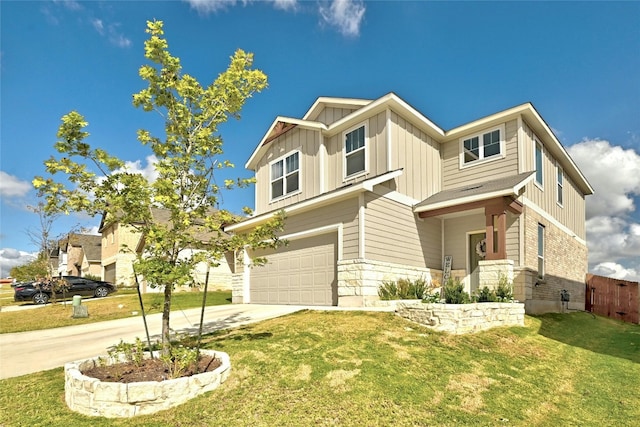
(539, 173)
(560, 183)
(355, 151)
(482, 146)
(285, 176)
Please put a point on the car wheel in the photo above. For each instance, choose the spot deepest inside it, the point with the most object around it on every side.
(40, 298)
(101, 292)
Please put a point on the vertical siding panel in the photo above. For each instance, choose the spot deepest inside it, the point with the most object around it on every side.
(419, 156)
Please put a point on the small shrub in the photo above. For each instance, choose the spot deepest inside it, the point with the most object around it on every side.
(402, 289)
(486, 295)
(388, 290)
(181, 359)
(419, 288)
(405, 289)
(454, 292)
(504, 292)
(132, 353)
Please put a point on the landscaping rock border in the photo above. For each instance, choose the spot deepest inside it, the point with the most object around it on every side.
(90, 396)
(463, 318)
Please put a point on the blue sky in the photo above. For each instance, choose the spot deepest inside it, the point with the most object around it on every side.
(455, 62)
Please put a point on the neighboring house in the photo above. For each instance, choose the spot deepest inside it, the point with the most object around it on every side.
(118, 252)
(122, 244)
(79, 255)
(374, 191)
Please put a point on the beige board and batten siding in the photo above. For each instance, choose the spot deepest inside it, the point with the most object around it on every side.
(307, 142)
(418, 155)
(394, 234)
(330, 115)
(456, 177)
(572, 212)
(376, 152)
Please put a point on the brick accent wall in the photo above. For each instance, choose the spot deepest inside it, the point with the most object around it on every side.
(565, 259)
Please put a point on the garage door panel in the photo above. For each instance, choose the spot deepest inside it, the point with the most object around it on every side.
(303, 272)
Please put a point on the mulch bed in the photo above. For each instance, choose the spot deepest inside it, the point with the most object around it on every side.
(148, 370)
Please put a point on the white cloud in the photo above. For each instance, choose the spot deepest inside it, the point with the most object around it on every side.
(613, 231)
(10, 258)
(69, 4)
(98, 25)
(119, 40)
(111, 32)
(614, 174)
(285, 4)
(612, 239)
(205, 7)
(617, 271)
(11, 186)
(345, 15)
(148, 171)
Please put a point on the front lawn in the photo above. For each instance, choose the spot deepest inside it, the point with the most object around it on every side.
(376, 369)
(116, 306)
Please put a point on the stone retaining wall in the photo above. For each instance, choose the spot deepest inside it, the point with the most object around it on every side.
(359, 280)
(90, 396)
(463, 318)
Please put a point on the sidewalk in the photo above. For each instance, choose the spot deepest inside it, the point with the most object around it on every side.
(23, 353)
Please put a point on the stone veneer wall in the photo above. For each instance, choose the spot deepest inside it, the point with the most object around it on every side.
(237, 288)
(90, 396)
(463, 318)
(492, 270)
(359, 280)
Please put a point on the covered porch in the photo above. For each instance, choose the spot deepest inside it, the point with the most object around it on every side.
(481, 228)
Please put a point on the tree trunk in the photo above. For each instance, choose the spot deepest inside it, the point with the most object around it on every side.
(166, 311)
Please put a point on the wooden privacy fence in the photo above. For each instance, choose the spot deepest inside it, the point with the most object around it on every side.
(614, 298)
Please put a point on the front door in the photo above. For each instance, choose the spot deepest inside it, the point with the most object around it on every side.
(477, 249)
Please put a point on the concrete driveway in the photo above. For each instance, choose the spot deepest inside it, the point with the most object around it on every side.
(27, 352)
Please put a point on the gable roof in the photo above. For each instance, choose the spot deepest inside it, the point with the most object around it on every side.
(367, 108)
(91, 245)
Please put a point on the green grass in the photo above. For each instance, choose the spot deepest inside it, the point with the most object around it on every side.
(119, 305)
(376, 369)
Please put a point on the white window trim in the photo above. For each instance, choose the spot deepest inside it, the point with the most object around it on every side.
(483, 159)
(284, 176)
(538, 256)
(537, 143)
(560, 185)
(365, 148)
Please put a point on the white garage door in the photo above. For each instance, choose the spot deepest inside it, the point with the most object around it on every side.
(302, 273)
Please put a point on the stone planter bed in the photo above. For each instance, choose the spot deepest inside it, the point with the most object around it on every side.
(90, 396)
(463, 318)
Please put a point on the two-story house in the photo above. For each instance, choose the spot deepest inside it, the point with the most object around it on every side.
(79, 255)
(373, 190)
(122, 244)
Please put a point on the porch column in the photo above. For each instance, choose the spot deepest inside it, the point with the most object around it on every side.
(495, 212)
(496, 230)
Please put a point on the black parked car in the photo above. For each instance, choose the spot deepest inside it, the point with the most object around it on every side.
(40, 292)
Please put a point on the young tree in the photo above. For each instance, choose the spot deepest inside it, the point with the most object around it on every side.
(41, 237)
(189, 153)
